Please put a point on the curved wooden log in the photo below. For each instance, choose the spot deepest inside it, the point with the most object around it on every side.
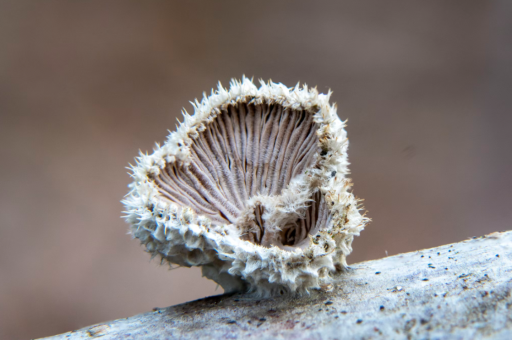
(457, 291)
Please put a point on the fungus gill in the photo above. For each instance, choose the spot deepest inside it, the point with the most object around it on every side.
(252, 188)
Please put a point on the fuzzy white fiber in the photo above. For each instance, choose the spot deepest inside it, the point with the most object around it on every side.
(180, 235)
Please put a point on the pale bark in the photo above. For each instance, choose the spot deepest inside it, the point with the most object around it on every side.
(457, 291)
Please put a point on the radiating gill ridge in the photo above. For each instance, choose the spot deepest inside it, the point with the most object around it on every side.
(248, 150)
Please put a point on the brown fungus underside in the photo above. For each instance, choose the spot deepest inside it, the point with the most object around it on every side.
(241, 161)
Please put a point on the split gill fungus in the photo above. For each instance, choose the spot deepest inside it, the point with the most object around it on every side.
(252, 188)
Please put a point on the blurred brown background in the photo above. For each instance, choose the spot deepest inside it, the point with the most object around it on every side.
(426, 87)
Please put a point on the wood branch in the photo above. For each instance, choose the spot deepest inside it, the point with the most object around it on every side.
(457, 291)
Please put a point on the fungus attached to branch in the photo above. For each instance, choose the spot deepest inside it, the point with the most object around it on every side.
(252, 188)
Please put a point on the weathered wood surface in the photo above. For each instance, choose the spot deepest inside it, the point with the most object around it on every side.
(457, 291)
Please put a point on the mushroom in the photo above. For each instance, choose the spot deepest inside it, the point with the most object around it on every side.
(252, 188)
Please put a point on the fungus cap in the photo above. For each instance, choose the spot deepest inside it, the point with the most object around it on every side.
(252, 187)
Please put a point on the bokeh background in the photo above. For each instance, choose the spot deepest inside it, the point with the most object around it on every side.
(426, 87)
